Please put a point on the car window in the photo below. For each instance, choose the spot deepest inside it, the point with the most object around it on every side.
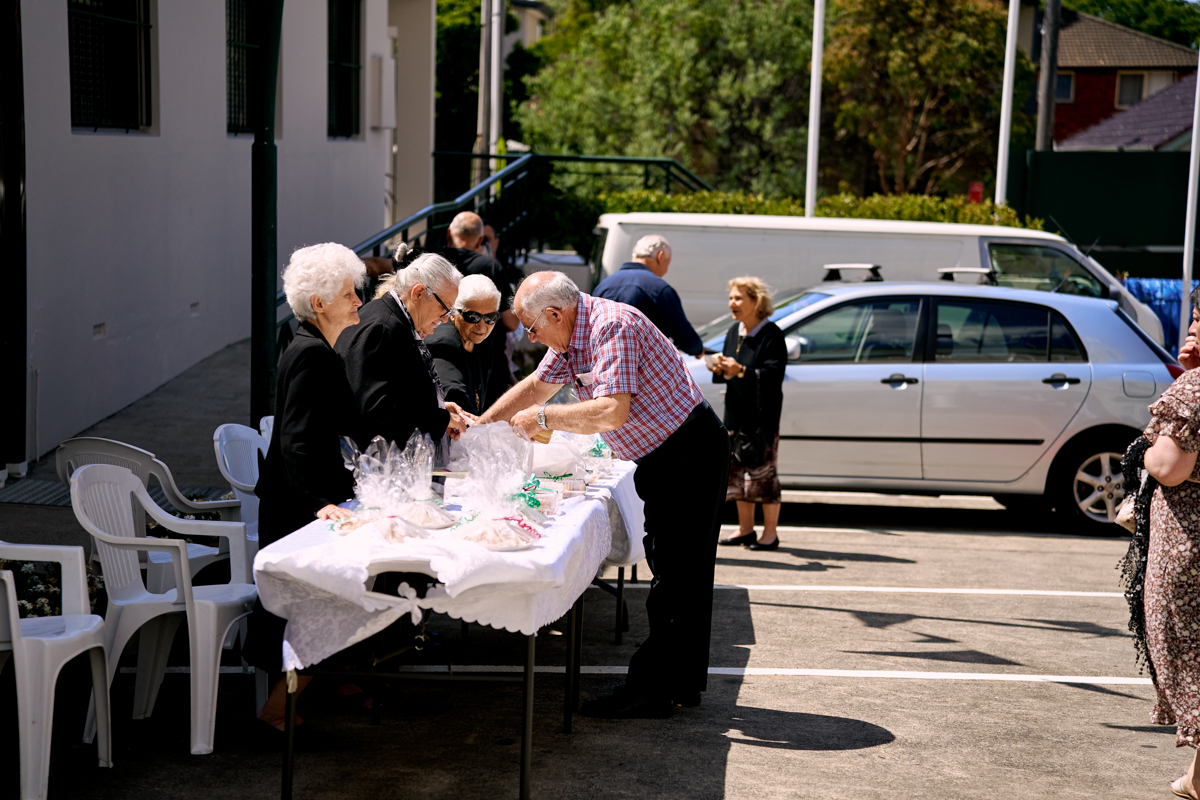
(980, 333)
(713, 334)
(879, 331)
(1045, 269)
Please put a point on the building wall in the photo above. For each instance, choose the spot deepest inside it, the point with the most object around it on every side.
(149, 233)
(1095, 101)
(415, 22)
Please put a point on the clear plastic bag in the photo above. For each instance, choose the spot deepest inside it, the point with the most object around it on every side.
(499, 512)
(390, 482)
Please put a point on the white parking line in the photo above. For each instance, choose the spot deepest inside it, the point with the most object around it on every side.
(824, 673)
(762, 587)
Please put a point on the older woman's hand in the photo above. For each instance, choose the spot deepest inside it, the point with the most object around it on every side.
(728, 367)
(457, 425)
(334, 512)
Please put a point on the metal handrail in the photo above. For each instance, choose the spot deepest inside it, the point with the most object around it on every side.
(411, 220)
(669, 164)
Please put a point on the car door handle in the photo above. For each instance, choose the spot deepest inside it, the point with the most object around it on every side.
(1058, 377)
(898, 378)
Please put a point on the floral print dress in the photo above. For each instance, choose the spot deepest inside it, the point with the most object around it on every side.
(1172, 595)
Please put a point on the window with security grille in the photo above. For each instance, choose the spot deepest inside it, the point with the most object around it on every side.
(345, 67)
(110, 63)
(241, 67)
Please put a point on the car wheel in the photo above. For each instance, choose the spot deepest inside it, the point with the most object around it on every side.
(1088, 486)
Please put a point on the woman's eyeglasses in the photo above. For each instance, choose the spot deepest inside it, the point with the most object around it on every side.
(474, 317)
(448, 313)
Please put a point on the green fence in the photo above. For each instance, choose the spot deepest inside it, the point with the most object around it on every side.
(1124, 209)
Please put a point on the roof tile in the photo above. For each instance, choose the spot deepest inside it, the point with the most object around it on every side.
(1093, 42)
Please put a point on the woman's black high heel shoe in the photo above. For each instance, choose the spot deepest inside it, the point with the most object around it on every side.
(757, 546)
(742, 538)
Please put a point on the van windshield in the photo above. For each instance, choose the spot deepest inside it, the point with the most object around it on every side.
(1045, 269)
(713, 334)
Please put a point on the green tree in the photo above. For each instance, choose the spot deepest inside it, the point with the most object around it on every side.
(919, 81)
(1174, 20)
(457, 96)
(721, 85)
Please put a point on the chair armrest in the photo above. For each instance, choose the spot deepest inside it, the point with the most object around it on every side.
(176, 547)
(235, 532)
(74, 583)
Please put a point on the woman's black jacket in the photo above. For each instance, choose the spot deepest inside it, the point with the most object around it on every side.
(765, 357)
(391, 384)
(474, 379)
(303, 470)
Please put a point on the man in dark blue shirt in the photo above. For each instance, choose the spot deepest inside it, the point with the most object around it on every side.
(640, 283)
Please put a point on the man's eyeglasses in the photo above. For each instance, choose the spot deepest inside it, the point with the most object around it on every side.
(447, 313)
(533, 328)
(473, 317)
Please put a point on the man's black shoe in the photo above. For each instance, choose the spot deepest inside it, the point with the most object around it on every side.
(628, 706)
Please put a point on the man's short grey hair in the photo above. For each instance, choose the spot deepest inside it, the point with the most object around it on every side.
(428, 269)
(650, 246)
(558, 292)
(321, 270)
(467, 226)
(477, 287)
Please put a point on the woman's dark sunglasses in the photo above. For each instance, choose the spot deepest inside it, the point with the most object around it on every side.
(473, 317)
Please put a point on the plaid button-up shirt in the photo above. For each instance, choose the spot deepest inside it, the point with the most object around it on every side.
(625, 354)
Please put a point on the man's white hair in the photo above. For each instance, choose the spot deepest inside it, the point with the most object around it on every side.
(650, 246)
(476, 287)
(466, 226)
(320, 270)
(558, 292)
(428, 269)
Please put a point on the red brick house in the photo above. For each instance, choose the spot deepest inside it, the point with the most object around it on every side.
(1104, 68)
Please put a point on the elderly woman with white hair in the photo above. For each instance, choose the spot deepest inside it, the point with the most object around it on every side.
(470, 362)
(303, 477)
(390, 369)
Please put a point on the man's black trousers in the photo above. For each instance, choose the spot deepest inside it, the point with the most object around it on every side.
(682, 484)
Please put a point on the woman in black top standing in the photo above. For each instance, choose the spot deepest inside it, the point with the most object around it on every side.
(303, 477)
(752, 364)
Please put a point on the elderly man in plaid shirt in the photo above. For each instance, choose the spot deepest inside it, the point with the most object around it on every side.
(634, 389)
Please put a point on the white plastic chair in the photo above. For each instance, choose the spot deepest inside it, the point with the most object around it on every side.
(103, 497)
(39, 647)
(265, 426)
(75, 453)
(237, 448)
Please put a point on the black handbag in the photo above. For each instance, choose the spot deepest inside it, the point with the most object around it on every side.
(749, 446)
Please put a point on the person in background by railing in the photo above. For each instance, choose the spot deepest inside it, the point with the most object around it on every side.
(390, 369)
(640, 283)
(512, 338)
(469, 357)
(465, 250)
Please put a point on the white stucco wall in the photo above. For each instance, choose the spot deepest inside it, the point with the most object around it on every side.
(130, 230)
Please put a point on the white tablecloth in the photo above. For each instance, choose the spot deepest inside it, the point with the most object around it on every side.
(318, 580)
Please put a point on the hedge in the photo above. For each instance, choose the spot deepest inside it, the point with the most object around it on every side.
(911, 207)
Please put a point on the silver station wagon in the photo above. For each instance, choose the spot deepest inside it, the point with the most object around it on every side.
(1028, 396)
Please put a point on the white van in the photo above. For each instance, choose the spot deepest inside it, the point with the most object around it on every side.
(790, 253)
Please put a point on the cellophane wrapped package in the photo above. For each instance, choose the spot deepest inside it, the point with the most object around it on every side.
(498, 512)
(392, 482)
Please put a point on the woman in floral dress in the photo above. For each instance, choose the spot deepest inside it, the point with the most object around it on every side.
(1172, 586)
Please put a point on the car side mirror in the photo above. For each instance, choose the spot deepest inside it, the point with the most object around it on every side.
(796, 346)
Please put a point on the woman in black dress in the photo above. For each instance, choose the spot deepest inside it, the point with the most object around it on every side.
(752, 364)
(303, 477)
(469, 358)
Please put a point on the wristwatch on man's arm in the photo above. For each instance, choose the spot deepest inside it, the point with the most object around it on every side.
(541, 417)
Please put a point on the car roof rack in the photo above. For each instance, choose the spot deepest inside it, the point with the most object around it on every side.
(833, 272)
(989, 274)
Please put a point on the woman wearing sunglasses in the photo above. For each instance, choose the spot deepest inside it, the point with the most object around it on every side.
(470, 361)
